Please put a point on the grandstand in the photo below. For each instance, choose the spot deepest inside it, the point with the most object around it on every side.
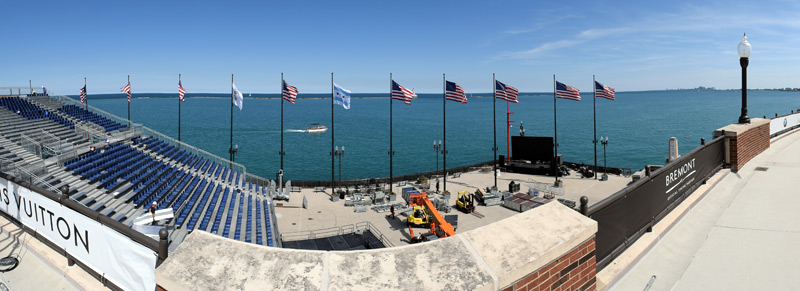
(119, 169)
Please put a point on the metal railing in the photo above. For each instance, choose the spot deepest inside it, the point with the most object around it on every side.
(18, 91)
(14, 169)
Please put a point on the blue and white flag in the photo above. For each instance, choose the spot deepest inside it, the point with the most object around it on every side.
(341, 96)
(238, 99)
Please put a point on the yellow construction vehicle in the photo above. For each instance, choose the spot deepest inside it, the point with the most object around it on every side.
(419, 216)
(465, 201)
(425, 214)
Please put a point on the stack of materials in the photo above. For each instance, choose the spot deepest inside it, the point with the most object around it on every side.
(442, 205)
(408, 191)
(357, 199)
(388, 206)
(491, 198)
(523, 202)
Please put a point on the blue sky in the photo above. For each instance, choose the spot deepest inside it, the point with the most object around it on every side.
(629, 45)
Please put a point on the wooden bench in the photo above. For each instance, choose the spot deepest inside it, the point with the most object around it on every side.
(296, 189)
(319, 189)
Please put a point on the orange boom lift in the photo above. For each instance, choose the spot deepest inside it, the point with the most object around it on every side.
(439, 226)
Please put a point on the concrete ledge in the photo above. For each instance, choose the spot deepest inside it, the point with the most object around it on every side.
(736, 129)
(486, 258)
(522, 244)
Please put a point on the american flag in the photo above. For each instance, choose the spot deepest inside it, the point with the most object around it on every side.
(603, 91)
(454, 92)
(565, 91)
(289, 92)
(181, 91)
(127, 89)
(506, 92)
(402, 94)
(83, 94)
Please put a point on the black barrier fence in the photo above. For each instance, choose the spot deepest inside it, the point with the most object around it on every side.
(624, 216)
(432, 174)
(395, 179)
(160, 247)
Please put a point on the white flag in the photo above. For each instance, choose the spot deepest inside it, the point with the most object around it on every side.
(237, 97)
(341, 96)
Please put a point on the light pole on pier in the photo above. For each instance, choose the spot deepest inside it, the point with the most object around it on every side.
(436, 150)
(233, 151)
(339, 153)
(744, 59)
(605, 166)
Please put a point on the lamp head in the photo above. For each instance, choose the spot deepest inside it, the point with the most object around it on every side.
(744, 48)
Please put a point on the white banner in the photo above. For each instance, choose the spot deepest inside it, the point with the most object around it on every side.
(784, 122)
(128, 264)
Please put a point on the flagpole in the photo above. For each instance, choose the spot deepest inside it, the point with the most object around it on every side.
(85, 104)
(444, 131)
(391, 149)
(231, 145)
(494, 126)
(179, 109)
(281, 96)
(129, 102)
(333, 130)
(594, 110)
(508, 131)
(555, 131)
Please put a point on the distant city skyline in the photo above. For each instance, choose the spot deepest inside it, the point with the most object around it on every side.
(630, 45)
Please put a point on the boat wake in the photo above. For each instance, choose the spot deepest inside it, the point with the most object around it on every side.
(295, 130)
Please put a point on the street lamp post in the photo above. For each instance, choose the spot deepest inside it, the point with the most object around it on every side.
(436, 150)
(744, 60)
(339, 153)
(605, 166)
(233, 151)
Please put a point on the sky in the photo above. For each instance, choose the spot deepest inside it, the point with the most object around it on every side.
(628, 45)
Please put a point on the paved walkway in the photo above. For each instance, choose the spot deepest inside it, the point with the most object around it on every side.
(742, 235)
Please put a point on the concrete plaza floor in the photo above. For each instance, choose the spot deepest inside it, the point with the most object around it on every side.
(743, 234)
(324, 214)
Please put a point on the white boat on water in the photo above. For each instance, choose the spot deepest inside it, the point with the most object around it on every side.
(316, 128)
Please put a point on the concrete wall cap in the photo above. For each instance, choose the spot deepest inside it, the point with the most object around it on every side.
(736, 129)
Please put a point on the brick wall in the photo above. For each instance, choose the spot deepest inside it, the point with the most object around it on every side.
(746, 146)
(574, 270)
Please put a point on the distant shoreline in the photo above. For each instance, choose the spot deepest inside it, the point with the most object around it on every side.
(270, 98)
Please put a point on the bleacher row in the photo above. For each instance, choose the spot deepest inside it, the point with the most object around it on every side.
(197, 189)
(31, 111)
(82, 114)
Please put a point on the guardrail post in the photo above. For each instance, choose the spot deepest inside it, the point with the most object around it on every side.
(64, 197)
(163, 245)
(584, 205)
